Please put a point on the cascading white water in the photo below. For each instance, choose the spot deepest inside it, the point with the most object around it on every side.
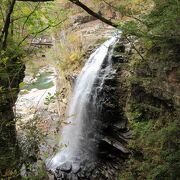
(77, 137)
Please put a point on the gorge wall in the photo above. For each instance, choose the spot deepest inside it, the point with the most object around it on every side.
(140, 115)
(150, 101)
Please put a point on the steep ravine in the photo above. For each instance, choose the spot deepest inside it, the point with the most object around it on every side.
(139, 116)
(141, 95)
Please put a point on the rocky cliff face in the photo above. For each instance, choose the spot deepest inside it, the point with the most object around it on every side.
(139, 117)
(150, 102)
(12, 73)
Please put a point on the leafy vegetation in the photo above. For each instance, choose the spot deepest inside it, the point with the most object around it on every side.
(155, 153)
(153, 23)
(70, 52)
(20, 23)
(155, 127)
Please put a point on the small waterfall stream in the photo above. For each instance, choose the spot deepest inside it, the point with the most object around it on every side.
(79, 137)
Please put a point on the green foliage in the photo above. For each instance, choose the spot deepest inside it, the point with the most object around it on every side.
(69, 53)
(155, 22)
(51, 98)
(164, 17)
(101, 40)
(155, 146)
(30, 20)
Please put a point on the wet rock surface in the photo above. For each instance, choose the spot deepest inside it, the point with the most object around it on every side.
(100, 171)
(113, 132)
(66, 167)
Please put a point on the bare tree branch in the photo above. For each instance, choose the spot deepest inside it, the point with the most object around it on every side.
(96, 15)
(103, 19)
(115, 8)
(40, 31)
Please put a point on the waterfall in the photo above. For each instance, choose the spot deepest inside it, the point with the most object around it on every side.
(79, 138)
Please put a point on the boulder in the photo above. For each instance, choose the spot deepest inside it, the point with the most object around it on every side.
(114, 144)
(65, 167)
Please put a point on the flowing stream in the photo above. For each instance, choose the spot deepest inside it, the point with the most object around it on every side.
(78, 137)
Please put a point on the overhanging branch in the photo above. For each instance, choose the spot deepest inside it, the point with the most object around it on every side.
(40, 31)
(96, 15)
(103, 19)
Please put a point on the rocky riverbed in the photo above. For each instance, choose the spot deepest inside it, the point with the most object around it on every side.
(37, 117)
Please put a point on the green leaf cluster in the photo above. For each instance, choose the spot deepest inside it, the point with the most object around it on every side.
(155, 21)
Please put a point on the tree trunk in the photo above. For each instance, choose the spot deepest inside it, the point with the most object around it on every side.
(5, 31)
(11, 75)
